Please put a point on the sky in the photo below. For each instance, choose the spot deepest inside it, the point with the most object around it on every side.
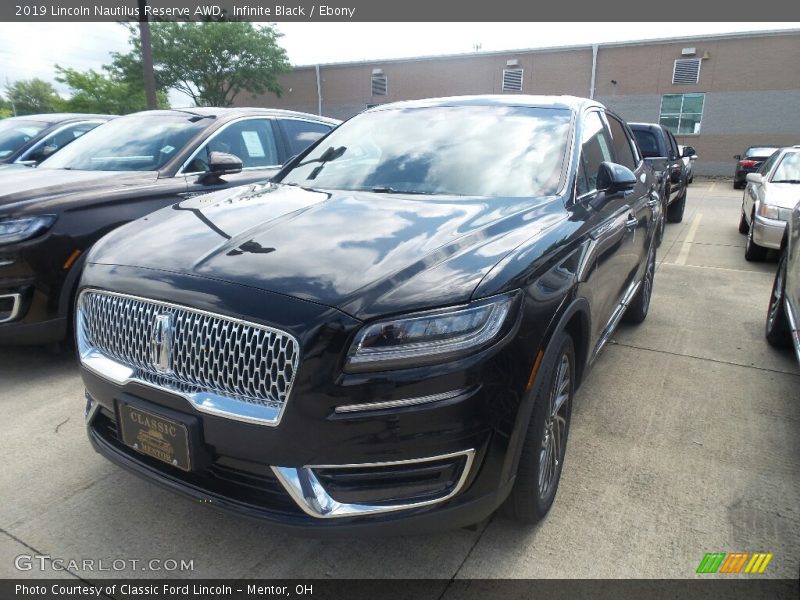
(88, 45)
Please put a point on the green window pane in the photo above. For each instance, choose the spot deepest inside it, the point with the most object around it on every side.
(693, 103)
(689, 124)
(670, 123)
(671, 103)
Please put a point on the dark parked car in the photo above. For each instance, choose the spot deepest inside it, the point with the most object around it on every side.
(389, 335)
(131, 166)
(656, 141)
(750, 162)
(783, 314)
(30, 139)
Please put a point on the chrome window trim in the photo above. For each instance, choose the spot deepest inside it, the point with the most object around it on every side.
(309, 494)
(24, 156)
(206, 402)
(215, 134)
(15, 309)
(383, 405)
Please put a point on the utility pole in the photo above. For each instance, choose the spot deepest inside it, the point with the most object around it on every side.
(147, 57)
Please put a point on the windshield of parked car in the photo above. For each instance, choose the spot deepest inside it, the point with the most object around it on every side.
(141, 142)
(460, 150)
(788, 170)
(760, 151)
(15, 133)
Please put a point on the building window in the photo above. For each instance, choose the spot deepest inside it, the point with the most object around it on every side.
(686, 71)
(512, 80)
(681, 113)
(380, 85)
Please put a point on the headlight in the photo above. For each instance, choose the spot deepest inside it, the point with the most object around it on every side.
(16, 230)
(428, 338)
(770, 211)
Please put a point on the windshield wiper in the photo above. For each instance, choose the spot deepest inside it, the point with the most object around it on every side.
(381, 189)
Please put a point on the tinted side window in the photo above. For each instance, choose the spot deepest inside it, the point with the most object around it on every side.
(623, 147)
(673, 145)
(595, 148)
(302, 134)
(768, 163)
(647, 141)
(252, 140)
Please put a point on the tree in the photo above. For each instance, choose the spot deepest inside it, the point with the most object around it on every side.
(211, 62)
(5, 108)
(31, 96)
(105, 92)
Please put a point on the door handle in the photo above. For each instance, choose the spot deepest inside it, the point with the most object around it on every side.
(632, 222)
(652, 202)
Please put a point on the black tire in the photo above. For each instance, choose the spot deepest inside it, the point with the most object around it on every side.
(743, 226)
(737, 185)
(752, 251)
(675, 210)
(637, 309)
(530, 499)
(662, 224)
(690, 180)
(777, 326)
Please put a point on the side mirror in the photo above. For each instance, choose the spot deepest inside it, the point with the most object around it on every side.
(222, 163)
(737, 156)
(754, 178)
(688, 151)
(613, 178)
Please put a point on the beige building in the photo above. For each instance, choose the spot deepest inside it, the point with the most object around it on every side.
(718, 93)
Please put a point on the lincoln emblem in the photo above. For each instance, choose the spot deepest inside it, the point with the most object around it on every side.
(161, 343)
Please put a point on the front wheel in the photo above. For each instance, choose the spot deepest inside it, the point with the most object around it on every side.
(676, 209)
(545, 445)
(777, 327)
(752, 251)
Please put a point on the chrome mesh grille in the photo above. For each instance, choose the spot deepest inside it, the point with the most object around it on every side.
(209, 353)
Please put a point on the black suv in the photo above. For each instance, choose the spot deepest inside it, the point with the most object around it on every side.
(50, 216)
(387, 336)
(657, 142)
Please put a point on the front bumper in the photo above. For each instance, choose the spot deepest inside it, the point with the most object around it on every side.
(443, 460)
(768, 233)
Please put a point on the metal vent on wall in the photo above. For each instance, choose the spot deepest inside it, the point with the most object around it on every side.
(379, 85)
(512, 80)
(686, 71)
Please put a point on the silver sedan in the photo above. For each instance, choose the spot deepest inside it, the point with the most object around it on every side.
(768, 200)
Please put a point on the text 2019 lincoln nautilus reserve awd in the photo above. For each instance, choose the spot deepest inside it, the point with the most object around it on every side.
(386, 337)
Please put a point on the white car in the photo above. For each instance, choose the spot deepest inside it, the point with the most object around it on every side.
(769, 198)
(689, 156)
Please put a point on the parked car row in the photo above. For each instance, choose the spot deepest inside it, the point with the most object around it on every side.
(380, 325)
(123, 170)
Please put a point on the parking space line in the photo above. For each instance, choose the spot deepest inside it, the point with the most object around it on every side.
(687, 243)
(720, 269)
(713, 185)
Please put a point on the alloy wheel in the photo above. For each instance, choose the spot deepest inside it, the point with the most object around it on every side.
(552, 451)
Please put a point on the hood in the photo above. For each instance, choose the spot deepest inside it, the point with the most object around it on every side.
(366, 254)
(45, 189)
(785, 195)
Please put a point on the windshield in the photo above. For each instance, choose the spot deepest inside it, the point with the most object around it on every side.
(466, 150)
(788, 171)
(142, 142)
(760, 151)
(15, 133)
